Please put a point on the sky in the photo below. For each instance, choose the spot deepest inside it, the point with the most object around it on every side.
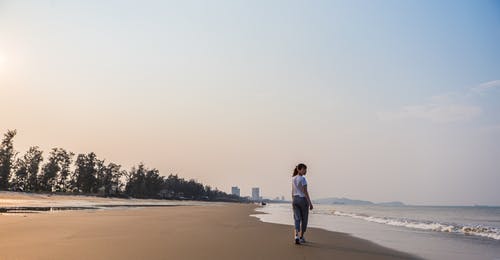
(383, 100)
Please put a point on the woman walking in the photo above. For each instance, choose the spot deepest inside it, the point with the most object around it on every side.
(301, 202)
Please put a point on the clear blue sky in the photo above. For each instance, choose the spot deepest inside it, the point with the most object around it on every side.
(384, 100)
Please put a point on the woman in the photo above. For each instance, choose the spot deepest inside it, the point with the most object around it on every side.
(301, 202)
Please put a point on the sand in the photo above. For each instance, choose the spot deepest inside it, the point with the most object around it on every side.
(222, 231)
(21, 199)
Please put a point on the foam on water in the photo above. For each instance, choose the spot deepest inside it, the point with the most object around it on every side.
(476, 230)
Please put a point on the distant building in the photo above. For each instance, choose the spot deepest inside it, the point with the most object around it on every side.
(235, 191)
(282, 197)
(112, 191)
(166, 194)
(255, 193)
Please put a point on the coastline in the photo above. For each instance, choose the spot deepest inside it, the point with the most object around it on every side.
(220, 231)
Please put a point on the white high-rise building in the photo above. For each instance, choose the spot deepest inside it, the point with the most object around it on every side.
(256, 193)
(235, 191)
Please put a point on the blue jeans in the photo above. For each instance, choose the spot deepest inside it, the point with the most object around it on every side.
(300, 213)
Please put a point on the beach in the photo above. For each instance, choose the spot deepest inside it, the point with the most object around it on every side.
(218, 231)
(441, 233)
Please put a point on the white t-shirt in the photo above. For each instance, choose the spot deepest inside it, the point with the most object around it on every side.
(298, 182)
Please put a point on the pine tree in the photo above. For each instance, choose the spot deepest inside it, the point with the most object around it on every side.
(7, 158)
(26, 170)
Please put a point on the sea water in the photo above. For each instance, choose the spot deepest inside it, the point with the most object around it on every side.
(431, 232)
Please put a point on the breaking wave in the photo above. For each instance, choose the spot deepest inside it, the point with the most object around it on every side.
(475, 230)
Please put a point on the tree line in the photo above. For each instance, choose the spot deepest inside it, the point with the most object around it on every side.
(62, 172)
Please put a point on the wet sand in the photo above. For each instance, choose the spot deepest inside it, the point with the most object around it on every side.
(222, 231)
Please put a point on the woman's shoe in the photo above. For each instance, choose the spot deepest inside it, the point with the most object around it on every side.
(297, 240)
(302, 240)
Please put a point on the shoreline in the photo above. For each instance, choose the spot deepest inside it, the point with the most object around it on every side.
(392, 228)
(219, 231)
(398, 254)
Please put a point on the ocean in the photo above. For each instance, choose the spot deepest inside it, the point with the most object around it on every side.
(431, 232)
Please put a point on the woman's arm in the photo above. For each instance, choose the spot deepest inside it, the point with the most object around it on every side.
(304, 189)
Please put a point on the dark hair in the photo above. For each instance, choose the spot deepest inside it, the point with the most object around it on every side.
(300, 166)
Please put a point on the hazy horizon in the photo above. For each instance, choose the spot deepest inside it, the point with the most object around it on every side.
(383, 100)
